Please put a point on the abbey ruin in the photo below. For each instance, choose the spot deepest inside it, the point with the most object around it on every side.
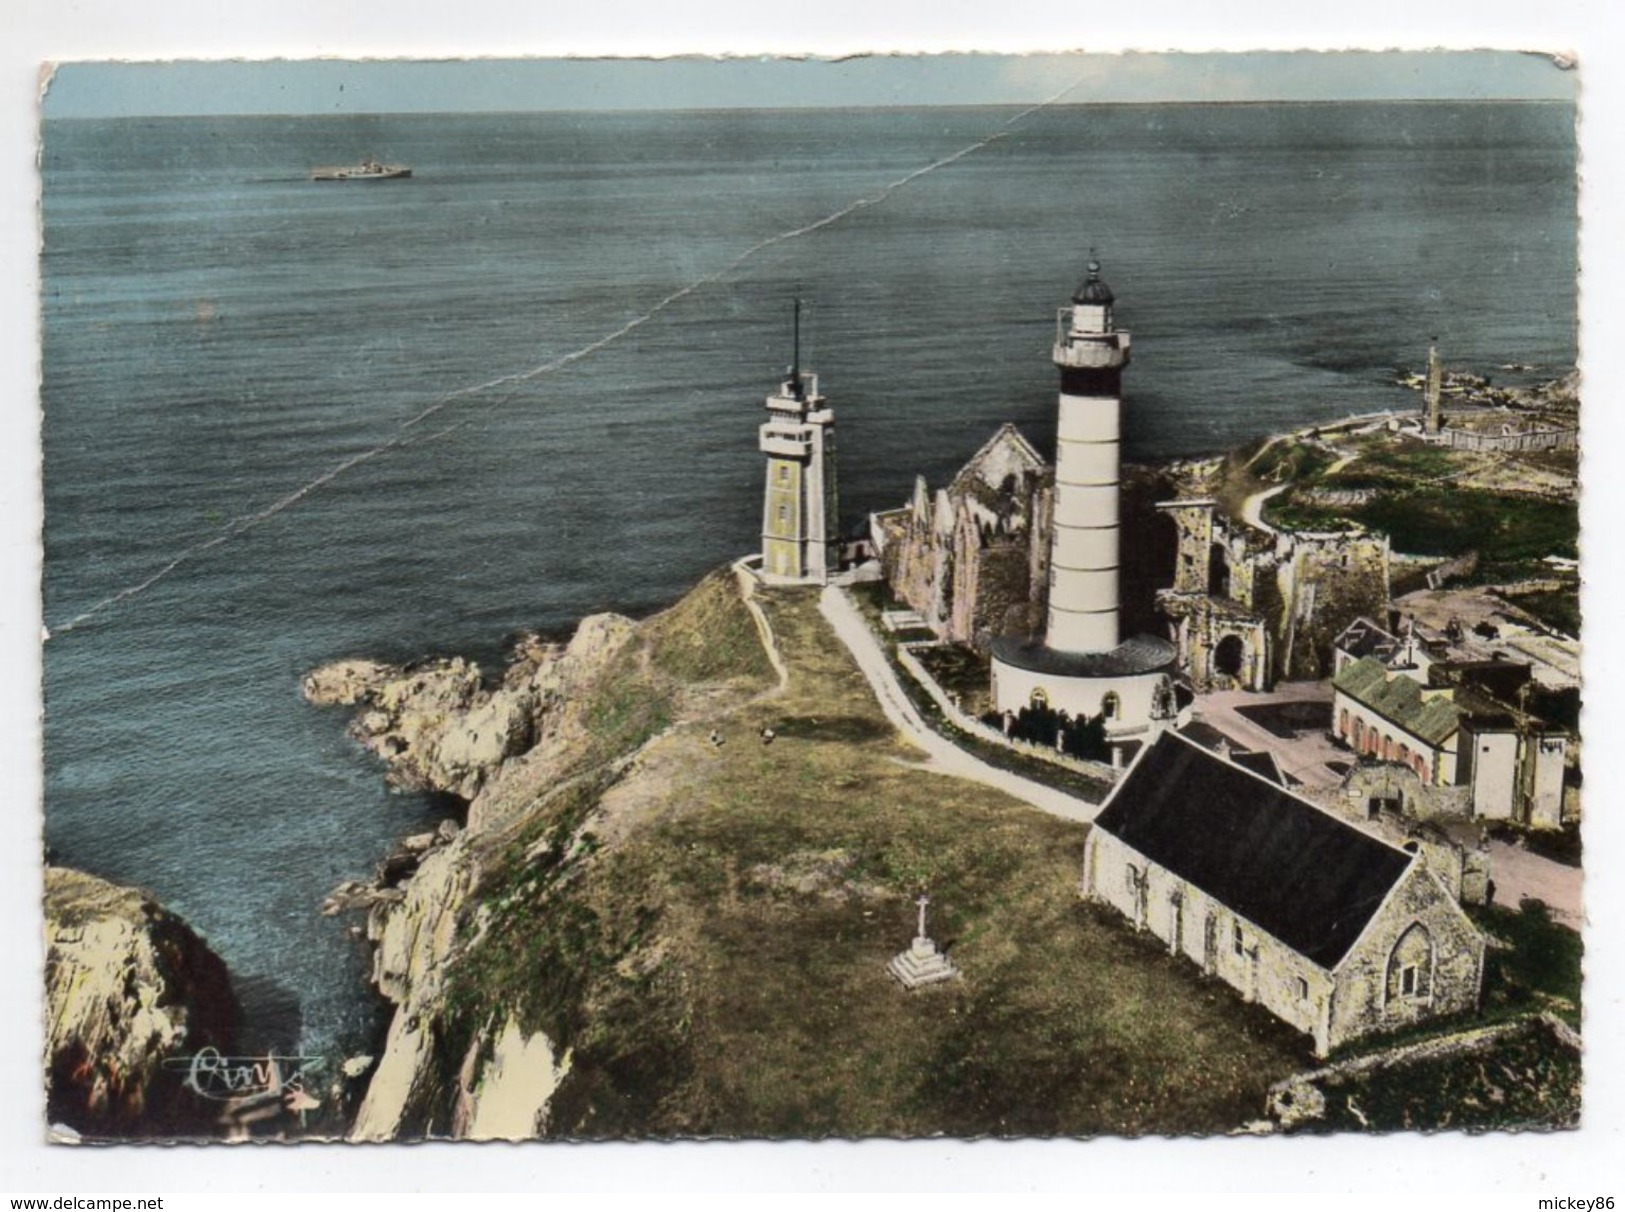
(1245, 607)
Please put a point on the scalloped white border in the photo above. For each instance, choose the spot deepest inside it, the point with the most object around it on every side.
(1569, 1163)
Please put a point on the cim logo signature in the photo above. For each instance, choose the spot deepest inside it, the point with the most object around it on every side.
(226, 1079)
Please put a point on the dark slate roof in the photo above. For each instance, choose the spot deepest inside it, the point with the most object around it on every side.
(1093, 290)
(1140, 654)
(1261, 762)
(1285, 865)
(1363, 638)
(1500, 679)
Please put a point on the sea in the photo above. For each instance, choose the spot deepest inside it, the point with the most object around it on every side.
(286, 421)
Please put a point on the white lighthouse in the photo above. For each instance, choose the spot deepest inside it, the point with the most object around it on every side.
(1085, 546)
(1082, 666)
(800, 535)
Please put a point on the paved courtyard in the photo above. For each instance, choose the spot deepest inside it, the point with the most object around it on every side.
(1306, 756)
(1303, 755)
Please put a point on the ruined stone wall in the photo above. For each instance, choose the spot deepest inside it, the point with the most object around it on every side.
(1243, 565)
(1329, 582)
(973, 558)
(1043, 517)
(1201, 626)
(1002, 594)
(1418, 926)
(917, 566)
(1194, 545)
(1464, 870)
(1301, 589)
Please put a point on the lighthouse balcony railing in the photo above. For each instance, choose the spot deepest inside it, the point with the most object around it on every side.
(1087, 350)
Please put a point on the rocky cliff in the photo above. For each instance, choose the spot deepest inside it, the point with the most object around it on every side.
(480, 1043)
(128, 986)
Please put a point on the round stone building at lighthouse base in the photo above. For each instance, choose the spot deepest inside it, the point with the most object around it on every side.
(1131, 686)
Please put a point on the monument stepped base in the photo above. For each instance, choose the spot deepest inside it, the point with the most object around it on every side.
(922, 964)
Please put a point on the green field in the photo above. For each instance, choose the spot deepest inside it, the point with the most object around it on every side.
(1421, 510)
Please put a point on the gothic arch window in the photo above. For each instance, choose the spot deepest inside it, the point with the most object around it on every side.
(1410, 966)
(1111, 706)
(1229, 655)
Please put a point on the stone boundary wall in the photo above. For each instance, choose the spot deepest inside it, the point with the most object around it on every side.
(1462, 565)
(968, 723)
(1534, 585)
(1529, 439)
(1298, 1098)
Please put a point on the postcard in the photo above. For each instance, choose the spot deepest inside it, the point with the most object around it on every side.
(919, 596)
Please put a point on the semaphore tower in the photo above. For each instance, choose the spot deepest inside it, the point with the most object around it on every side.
(799, 515)
(1082, 666)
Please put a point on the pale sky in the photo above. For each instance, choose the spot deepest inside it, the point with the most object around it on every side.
(405, 86)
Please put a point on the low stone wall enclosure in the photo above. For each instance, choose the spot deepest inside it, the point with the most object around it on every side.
(1301, 1099)
(964, 721)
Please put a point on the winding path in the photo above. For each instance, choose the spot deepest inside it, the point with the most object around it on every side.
(1252, 509)
(764, 629)
(944, 756)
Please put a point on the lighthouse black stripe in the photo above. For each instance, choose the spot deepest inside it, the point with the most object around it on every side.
(1089, 483)
(1077, 526)
(1079, 381)
(1074, 568)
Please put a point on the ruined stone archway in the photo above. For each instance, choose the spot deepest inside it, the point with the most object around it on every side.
(1229, 655)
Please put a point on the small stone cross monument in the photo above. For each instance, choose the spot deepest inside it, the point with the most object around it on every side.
(922, 963)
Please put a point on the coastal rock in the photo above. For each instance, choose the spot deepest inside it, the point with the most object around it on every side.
(472, 1049)
(556, 672)
(433, 722)
(128, 986)
(559, 685)
(344, 683)
(507, 1097)
(438, 726)
(487, 735)
(413, 939)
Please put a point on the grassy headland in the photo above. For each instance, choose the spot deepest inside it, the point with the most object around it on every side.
(1510, 507)
(706, 928)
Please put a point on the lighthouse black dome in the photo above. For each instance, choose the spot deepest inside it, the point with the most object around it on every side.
(1093, 289)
